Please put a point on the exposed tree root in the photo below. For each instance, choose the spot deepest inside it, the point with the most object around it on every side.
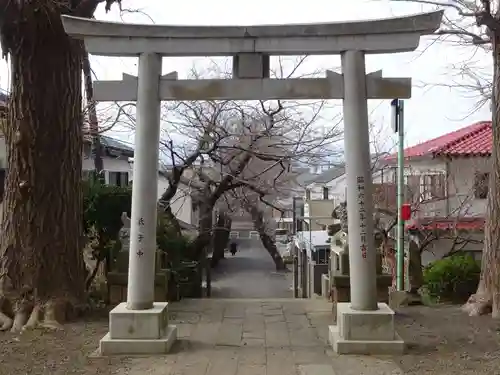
(21, 316)
(6, 321)
(478, 304)
(50, 318)
(28, 316)
(34, 318)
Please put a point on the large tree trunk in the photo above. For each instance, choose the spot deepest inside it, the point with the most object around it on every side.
(41, 238)
(487, 296)
(168, 195)
(266, 239)
(220, 237)
(202, 241)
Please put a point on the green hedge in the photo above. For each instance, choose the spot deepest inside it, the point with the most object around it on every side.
(452, 279)
(103, 206)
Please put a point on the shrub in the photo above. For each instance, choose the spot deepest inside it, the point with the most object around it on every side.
(452, 279)
(103, 206)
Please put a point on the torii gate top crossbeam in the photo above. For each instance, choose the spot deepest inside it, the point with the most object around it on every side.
(398, 34)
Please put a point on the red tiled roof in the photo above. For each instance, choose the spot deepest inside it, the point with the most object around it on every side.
(464, 223)
(473, 140)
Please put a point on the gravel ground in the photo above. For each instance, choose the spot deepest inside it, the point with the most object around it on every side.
(442, 341)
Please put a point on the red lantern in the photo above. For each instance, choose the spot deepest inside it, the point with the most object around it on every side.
(406, 211)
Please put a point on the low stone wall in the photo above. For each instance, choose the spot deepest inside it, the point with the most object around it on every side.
(316, 271)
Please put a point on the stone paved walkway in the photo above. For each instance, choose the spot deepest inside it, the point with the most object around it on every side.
(250, 274)
(255, 337)
(252, 326)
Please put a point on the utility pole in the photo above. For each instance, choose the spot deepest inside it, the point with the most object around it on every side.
(294, 216)
(397, 107)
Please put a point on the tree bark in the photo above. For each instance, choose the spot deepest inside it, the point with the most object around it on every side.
(202, 241)
(266, 239)
(173, 185)
(220, 237)
(487, 297)
(41, 238)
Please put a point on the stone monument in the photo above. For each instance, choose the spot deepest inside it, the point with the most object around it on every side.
(339, 273)
(250, 48)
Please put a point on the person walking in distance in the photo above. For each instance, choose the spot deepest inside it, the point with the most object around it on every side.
(232, 248)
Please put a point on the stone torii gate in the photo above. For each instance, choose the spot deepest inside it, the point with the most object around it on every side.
(141, 325)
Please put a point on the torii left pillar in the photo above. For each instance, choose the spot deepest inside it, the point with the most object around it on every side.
(140, 326)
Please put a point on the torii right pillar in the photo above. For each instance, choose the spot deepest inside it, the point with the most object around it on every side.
(364, 326)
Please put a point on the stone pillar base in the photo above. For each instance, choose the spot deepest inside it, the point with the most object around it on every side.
(365, 332)
(138, 331)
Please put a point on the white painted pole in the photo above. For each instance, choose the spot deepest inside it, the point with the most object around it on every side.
(362, 255)
(140, 293)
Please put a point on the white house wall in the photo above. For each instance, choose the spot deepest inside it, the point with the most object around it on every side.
(461, 186)
(460, 174)
(438, 249)
(336, 189)
(110, 164)
(181, 203)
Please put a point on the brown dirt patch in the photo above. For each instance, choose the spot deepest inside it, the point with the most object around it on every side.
(57, 353)
(443, 340)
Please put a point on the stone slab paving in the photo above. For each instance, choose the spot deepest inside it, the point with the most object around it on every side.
(250, 274)
(255, 337)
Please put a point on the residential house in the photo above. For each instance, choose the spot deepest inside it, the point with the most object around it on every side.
(116, 158)
(329, 185)
(117, 161)
(284, 204)
(446, 183)
(115, 154)
(447, 180)
(117, 169)
(448, 175)
(329, 189)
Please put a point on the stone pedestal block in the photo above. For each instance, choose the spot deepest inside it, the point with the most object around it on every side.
(365, 332)
(138, 331)
(341, 290)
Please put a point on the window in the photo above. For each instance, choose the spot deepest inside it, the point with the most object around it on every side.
(481, 185)
(118, 178)
(413, 186)
(433, 186)
(394, 174)
(308, 194)
(438, 186)
(325, 193)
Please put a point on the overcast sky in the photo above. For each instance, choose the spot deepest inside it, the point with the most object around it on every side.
(432, 110)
